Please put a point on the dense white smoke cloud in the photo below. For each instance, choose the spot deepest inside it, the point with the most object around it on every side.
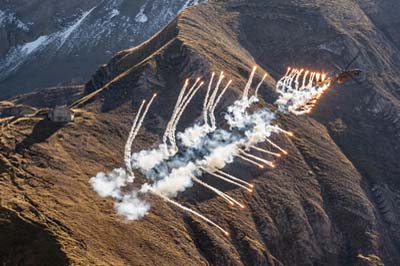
(132, 207)
(192, 136)
(177, 163)
(221, 156)
(177, 181)
(109, 185)
(148, 159)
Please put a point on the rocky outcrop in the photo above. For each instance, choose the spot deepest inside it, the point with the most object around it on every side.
(50, 97)
(8, 109)
(387, 110)
(388, 202)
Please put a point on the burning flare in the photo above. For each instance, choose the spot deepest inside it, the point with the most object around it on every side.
(300, 99)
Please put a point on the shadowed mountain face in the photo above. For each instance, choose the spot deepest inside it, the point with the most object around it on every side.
(52, 43)
(334, 200)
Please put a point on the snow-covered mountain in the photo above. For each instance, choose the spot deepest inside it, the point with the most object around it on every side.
(47, 43)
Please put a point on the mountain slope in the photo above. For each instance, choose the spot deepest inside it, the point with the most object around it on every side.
(332, 201)
(47, 43)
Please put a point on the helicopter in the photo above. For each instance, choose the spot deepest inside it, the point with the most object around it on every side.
(345, 73)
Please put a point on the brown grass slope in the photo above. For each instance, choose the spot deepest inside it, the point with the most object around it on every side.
(332, 201)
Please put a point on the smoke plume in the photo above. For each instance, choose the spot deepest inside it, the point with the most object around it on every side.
(204, 148)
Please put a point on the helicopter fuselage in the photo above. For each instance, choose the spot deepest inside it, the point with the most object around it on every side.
(346, 75)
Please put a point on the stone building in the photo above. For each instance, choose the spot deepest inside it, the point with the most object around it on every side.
(61, 114)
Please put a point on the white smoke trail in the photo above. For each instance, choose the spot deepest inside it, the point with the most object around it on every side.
(300, 99)
(181, 99)
(276, 146)
(248, 85)
(213, 189)
(192, 92)
(212, 108)
(191, 137)
(134, 131)
(283, 78)
(227, 180)
(286, 80)
(295, 72)
(189, 210)
(215, 91)
(212, 101)
(186, 98)
(235, 178)
(303, 86)
(266, 162)
(219, 192)
(220, 95)
(177, 104)
(131, 137)
(206, 100)
(251, 161)
(188, 95)
(296, 82)
(259, 85)
(146, 110)
(266, 151)
(147, 159)
(278, 129)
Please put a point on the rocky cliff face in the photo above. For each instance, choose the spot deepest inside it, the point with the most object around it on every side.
(332, 201)
(52, 43)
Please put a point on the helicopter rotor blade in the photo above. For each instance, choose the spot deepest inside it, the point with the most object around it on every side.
(337, 66)
(352, 61)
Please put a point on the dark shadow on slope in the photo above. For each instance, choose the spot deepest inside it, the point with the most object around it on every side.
(26, 243)
(41, 131)
(208, 245)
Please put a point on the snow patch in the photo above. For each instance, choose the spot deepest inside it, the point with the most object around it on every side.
(65, 34)
(32, 46)
(8, 18)
(114, 12)
(141, 16)
(22, 26)
(2, 16)
(190, 3)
